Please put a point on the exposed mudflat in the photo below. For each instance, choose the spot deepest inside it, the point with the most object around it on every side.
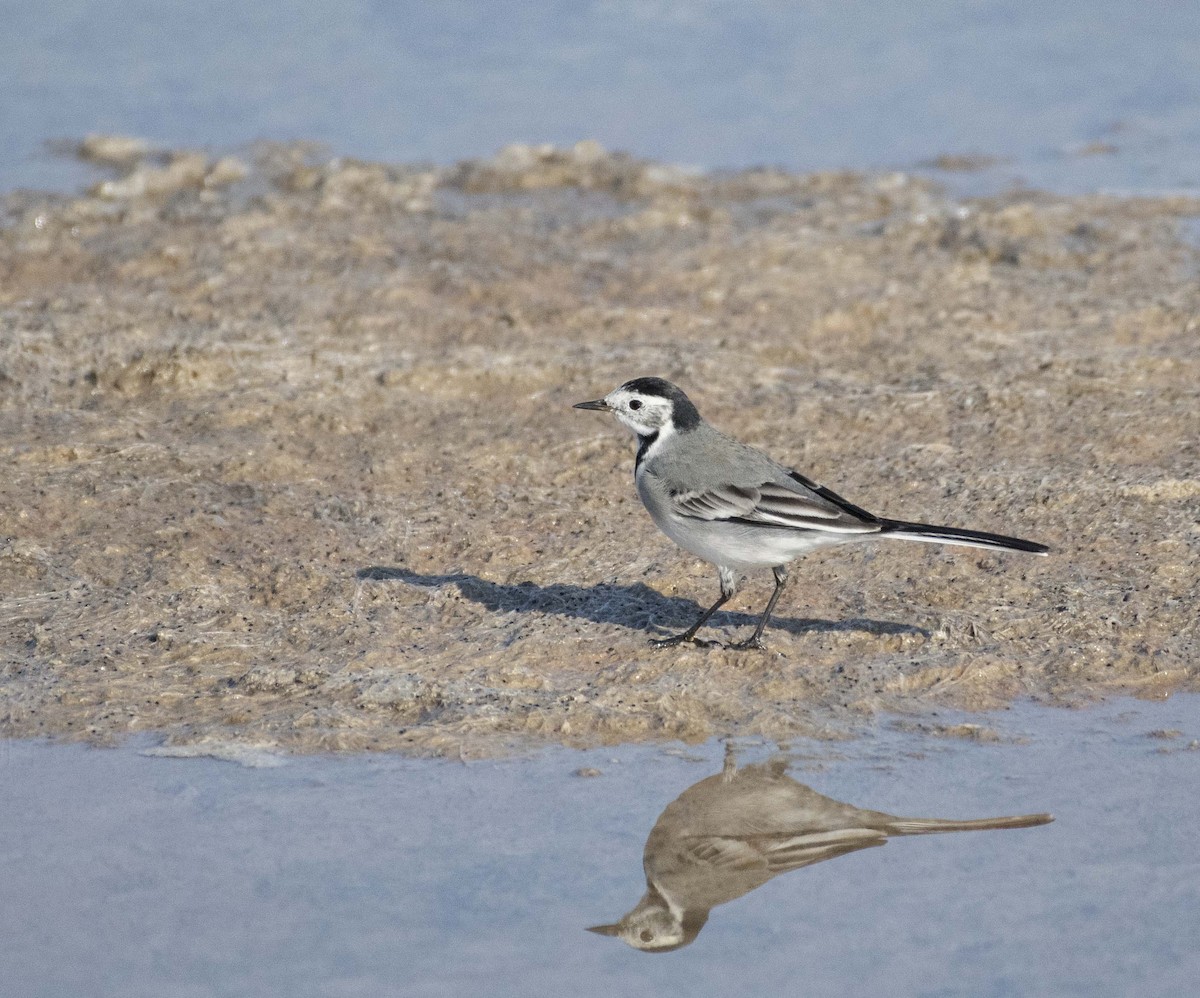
(290, 459)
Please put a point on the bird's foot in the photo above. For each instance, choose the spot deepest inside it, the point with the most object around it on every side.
(755, 643)
(680, 639)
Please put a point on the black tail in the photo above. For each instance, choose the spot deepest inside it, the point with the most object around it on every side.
(953, 535)
(925, 826)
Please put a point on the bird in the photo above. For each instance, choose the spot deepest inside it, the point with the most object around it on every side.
(740, 510)
(732, 832)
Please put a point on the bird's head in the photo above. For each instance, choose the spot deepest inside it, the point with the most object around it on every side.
(652, 929)
(656, 925)
(648, 406)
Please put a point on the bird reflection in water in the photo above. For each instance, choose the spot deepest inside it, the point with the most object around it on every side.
(734, 831)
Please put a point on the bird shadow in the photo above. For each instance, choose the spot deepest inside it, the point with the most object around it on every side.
(637, 607)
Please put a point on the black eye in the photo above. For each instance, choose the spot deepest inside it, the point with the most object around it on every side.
(635, 404)
(646, 934)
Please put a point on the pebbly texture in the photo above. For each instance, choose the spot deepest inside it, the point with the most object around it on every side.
(290, 459)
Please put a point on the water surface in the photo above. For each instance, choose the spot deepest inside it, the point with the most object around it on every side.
(378, 875)
(1070, 96)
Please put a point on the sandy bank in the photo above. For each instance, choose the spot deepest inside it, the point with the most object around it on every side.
(290, 458)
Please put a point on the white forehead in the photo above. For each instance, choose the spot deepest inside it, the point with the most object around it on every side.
(622, 395)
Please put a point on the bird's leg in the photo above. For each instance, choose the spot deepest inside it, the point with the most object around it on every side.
(690, 633)
(729, 582)
(755, 640)
(729, 768)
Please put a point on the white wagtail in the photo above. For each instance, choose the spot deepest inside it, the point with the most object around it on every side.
(737, 508)
(730, 833)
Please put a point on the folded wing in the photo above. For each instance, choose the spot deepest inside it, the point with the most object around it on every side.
(797, 504)
(776, 854)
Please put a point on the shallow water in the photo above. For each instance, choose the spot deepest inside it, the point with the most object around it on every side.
(1071, 97)
(374, 875)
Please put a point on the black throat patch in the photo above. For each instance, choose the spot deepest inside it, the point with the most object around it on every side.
(644, 444)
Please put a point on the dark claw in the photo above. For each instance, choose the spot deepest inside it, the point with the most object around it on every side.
(755, 643)
(679, 639)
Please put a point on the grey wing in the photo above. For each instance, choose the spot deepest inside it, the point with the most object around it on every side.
(804, 850)
(779, 853)
(796, 503)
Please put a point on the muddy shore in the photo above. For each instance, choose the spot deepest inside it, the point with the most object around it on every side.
(290, 459)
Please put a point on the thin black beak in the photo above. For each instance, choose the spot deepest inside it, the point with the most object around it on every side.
(598, 404)
(605, 930)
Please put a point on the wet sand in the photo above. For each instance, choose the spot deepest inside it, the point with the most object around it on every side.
(290, 459)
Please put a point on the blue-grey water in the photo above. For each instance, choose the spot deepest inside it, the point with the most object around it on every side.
(1073, 96)
(376, 875)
